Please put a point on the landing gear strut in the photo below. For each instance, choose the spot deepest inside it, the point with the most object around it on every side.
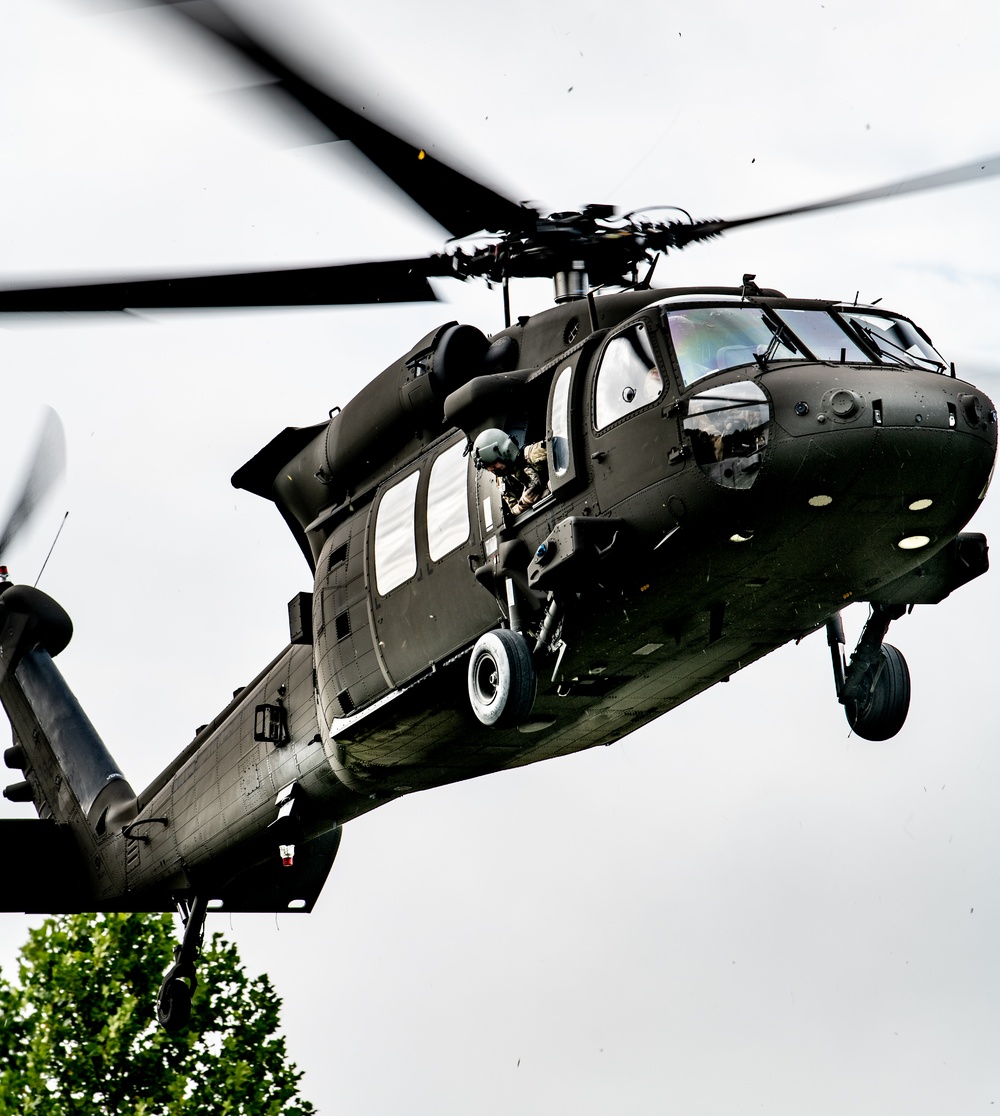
(875, 688)
(173, 1003)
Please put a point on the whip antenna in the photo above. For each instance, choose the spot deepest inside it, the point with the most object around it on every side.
(62, 524)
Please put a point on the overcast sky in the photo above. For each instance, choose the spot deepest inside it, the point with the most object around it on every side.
(740, 908)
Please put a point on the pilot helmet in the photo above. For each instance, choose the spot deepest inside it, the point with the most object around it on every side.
(494, 447)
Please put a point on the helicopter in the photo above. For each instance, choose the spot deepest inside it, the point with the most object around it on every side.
(446, 637)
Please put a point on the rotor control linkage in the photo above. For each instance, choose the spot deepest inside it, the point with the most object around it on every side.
(173, 1003)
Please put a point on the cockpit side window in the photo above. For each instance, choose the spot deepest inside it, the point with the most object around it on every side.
(559, 437)
(627, 378)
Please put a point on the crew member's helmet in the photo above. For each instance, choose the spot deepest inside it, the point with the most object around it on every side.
(493, 447)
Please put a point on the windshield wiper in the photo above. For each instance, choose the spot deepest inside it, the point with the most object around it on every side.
(779, 336)
(900, 355)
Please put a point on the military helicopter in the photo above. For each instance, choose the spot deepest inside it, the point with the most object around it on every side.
(710, 453)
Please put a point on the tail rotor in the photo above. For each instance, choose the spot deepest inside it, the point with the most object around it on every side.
(46, 467)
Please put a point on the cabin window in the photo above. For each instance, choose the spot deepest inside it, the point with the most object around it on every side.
(627, 378)
(559, 441)
(448, 502)
(395, 536)
(708, 340)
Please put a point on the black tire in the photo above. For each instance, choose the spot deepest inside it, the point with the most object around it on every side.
(173, 1005)
(882, 715)
(502, 680)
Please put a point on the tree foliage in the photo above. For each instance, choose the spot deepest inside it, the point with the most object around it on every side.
(78, 1034)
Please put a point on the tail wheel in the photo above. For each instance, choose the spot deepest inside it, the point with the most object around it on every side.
(502, 679)
(882, 714)
(173, 1005)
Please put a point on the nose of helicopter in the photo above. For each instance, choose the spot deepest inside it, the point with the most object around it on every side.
(875, 458)
(814, 398)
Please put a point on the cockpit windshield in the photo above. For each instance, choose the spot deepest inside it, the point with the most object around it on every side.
(824, 336)
(709, 339)
(895, 340)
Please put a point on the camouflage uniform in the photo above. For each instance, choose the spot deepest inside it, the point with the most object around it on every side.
(528, 481)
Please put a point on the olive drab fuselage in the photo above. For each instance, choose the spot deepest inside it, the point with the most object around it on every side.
(727, 468)
(725, 472)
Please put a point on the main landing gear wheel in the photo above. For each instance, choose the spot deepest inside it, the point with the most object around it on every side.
(887, 682)
(502, 680)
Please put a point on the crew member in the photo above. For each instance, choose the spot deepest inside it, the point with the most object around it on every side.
(524, 473)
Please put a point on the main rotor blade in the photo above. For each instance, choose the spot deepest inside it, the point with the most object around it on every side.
(47, 465)
(460, 204)
(333, 285)
(966, 172)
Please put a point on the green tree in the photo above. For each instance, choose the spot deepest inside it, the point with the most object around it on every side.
(78, 1034)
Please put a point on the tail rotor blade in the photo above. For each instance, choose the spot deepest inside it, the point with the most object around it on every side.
(48, 464)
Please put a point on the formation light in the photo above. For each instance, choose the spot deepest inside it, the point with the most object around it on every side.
(920, 505)
(820, 501)
(913, 542)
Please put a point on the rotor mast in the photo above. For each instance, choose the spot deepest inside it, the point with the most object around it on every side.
(572, 283)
